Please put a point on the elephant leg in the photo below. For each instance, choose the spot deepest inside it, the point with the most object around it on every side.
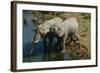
(69, 39)
(59, 43)
(63, 45)
(76, 41)
(75, 37)
(65, 36)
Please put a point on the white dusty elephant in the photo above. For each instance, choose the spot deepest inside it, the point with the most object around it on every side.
(68, 26)
(45, 27)
(44, 30)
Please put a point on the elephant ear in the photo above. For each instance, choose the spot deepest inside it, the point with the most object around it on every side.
(61, 31)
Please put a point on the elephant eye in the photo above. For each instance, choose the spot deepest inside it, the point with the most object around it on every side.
(59, 28)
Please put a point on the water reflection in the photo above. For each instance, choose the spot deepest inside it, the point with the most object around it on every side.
(39, 54)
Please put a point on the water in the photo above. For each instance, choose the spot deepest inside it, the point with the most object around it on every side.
(39, 54)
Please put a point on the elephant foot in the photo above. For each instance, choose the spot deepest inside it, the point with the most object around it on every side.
(63, 51)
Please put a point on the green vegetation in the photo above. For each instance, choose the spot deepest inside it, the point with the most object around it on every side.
(25, 20)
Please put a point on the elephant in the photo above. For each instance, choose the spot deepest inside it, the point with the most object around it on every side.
(44, 31)
(67, 29)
